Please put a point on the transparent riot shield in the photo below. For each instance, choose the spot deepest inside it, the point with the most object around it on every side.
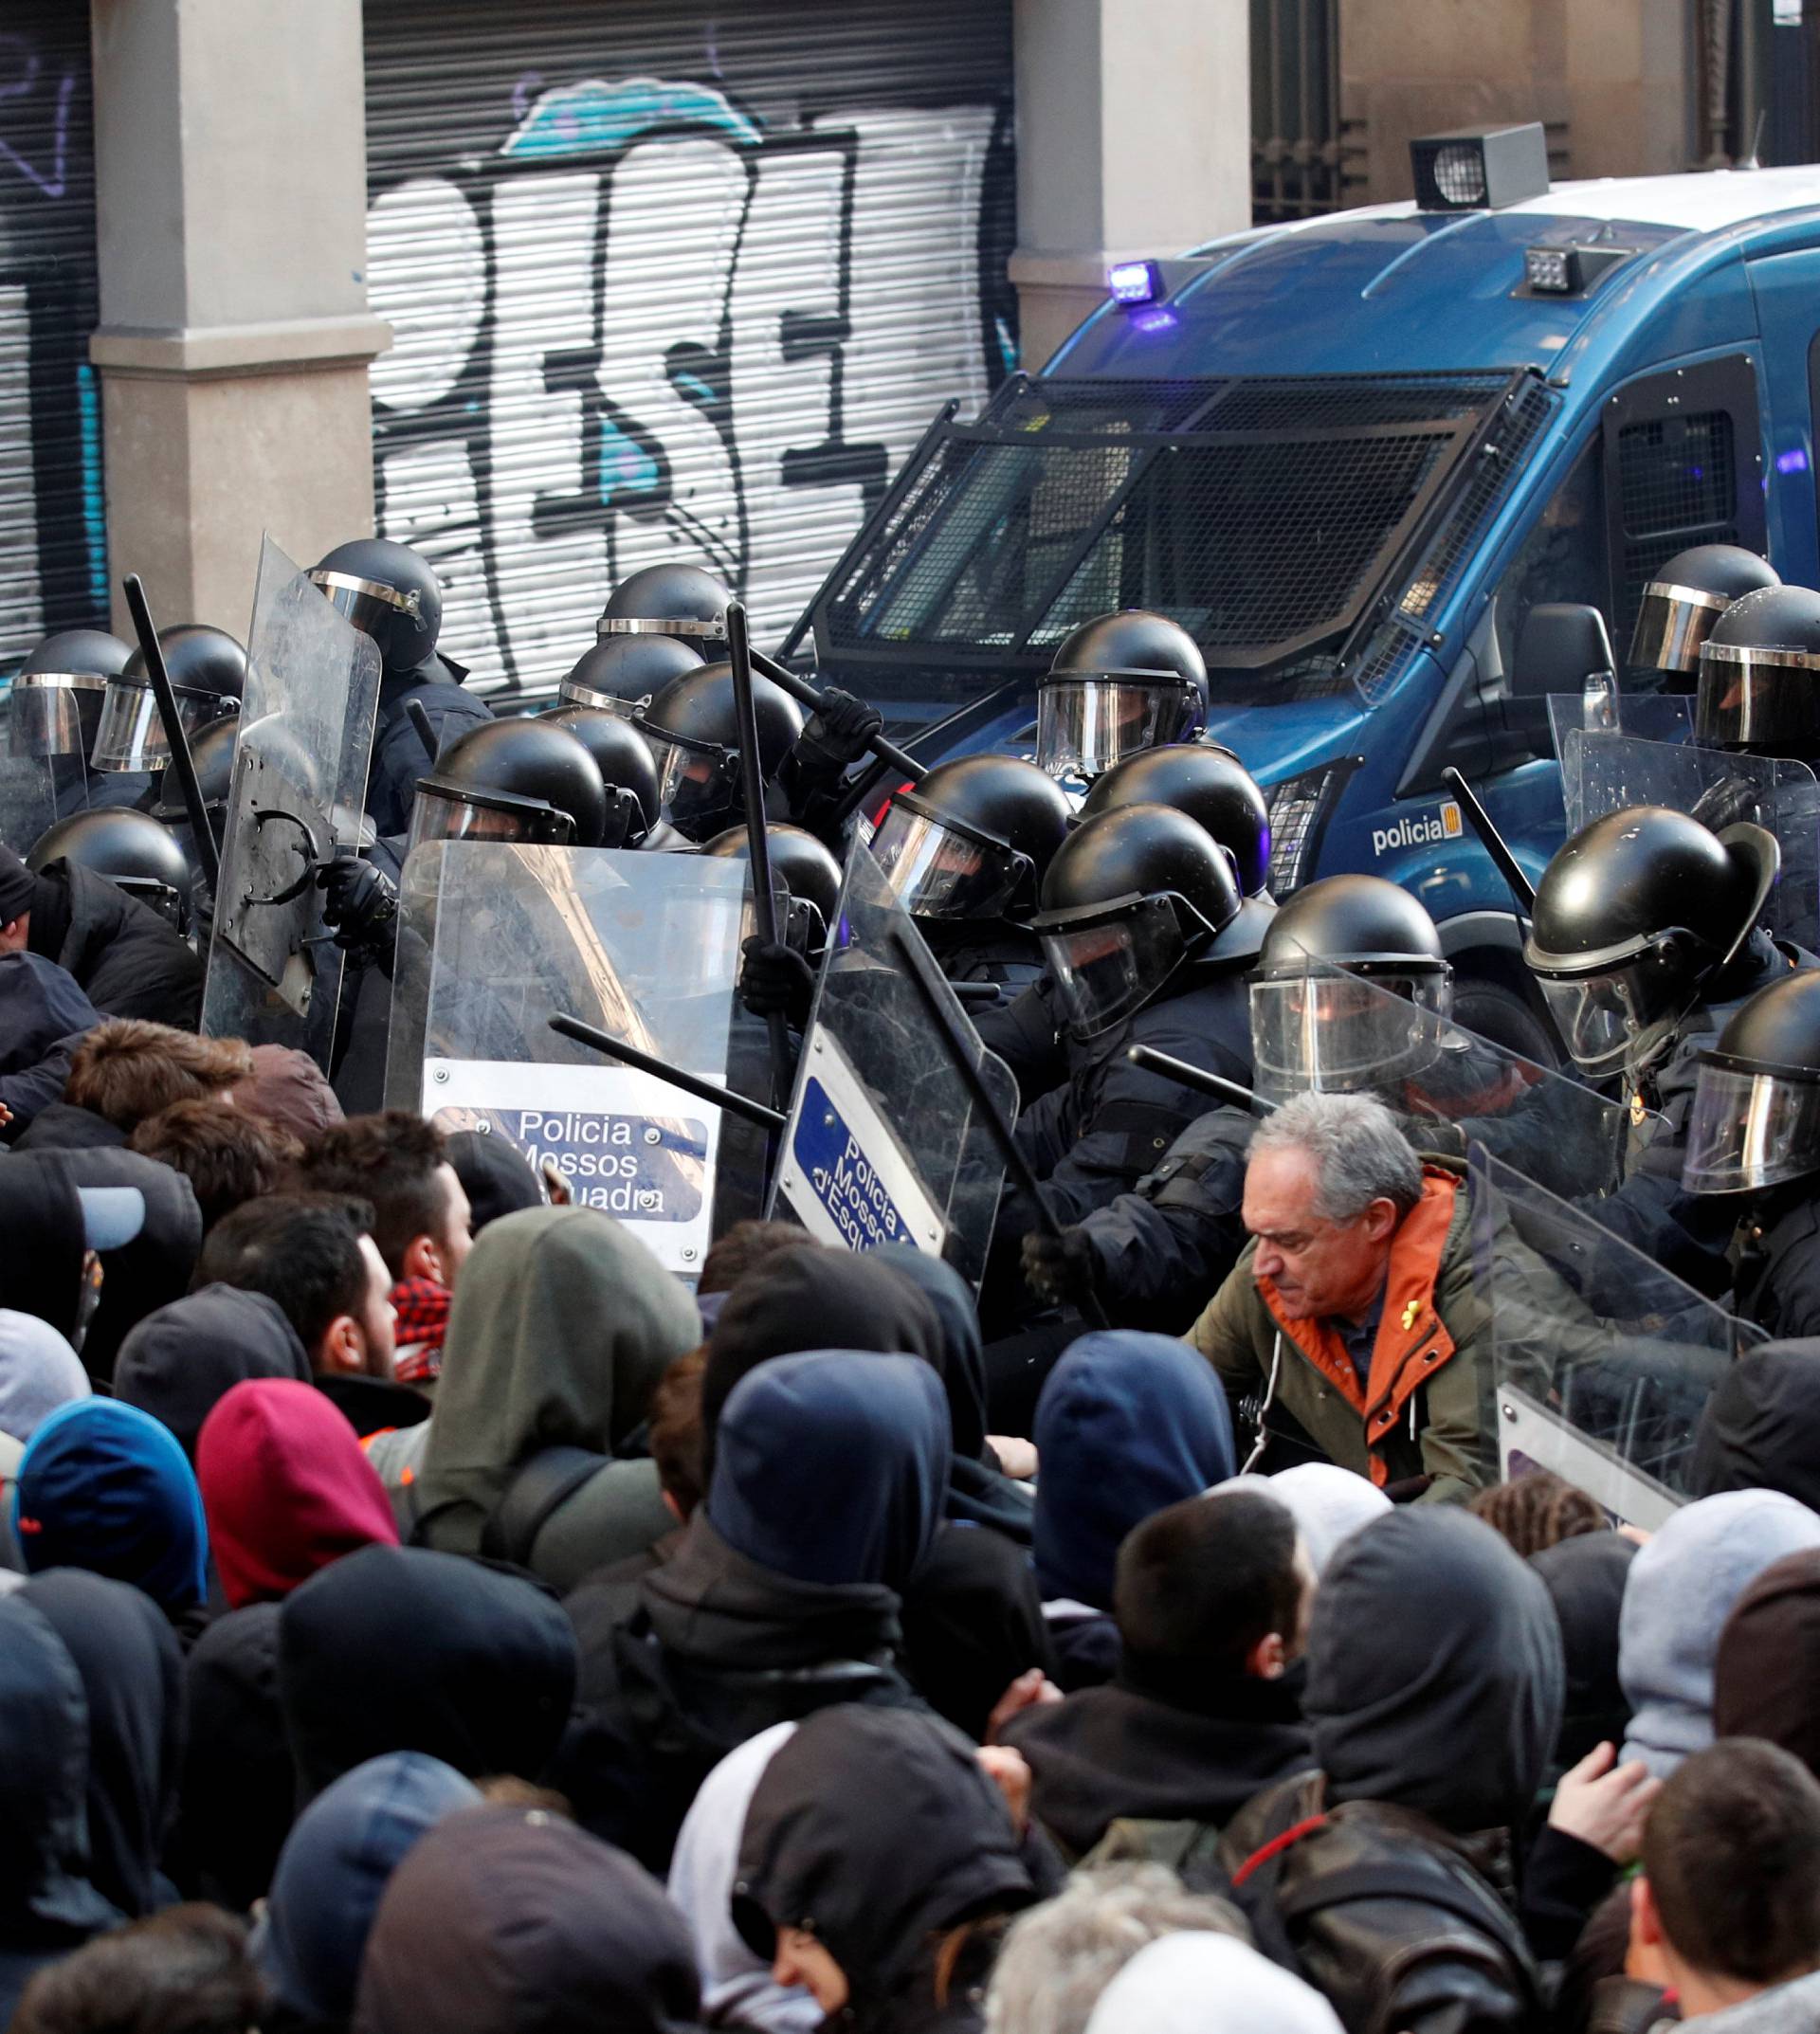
(1648, 716)
(1330, 1029)
(299, 785)
(884, 1144)
(1602, 1362)
(27, 801)
(494, 939)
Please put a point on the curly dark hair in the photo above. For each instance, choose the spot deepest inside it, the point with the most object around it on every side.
(1539, 1510)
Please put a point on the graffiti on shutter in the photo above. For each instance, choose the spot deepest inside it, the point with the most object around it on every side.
(648, 328)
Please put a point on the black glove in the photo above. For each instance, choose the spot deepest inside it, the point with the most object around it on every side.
(776, 978)
(361, 903)
(837, 734)
(1060, 1269)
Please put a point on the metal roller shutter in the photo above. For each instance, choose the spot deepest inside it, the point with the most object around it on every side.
(53, 540)
(668, 283)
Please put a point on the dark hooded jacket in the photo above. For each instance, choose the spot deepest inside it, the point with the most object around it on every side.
(877, 1832)
(400, 1649)
(494, 1175)
(506, 1920)
(61, 1126)
(1760, 1429)
(1585, 1578)
(181, 1361)
(128, 960)
(48, 1904)
(1769, 1661)
(131, 1671)
(1433, 1700)
(783, 1598)
(332, 1872)
(238, 1784)
(561, 1326)
(44, 1014)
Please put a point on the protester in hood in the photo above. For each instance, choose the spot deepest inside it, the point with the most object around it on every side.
(335, 1866)
(877, 1868)
(562, 1324)
(784, 1597)
(1730, 1891)
(1537, 1510)
(1212, 1604)
(1208, 1984)
(229, 1157)
(287, 1089)
(285, 1488)
(132, 1674)
(1433, 1698)
(106, 1487)
(1585, 1578)
(1681, 1587)
(48, 1904)
(1059, 1958)
(39, 1371)
(180, 1362)
(735, 1252)
(182, 1971)
(1127, 1424)
(737, 1986)
(813, 1299)
(1328, 1504)
(495, 1176)
(1760, 1429)
(238, 1792)
(44, 1017)
(507, 1920)
(1766, 1682)
(400, 1649)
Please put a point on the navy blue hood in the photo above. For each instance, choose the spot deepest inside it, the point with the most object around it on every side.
(41, 1006)
(1127, 1425)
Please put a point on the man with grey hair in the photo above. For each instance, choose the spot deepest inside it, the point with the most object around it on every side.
(1350, 1323)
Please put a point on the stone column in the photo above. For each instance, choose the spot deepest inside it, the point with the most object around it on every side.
(1134, 136)
(233, 351)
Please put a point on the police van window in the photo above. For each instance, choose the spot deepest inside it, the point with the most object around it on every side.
(1563, 558)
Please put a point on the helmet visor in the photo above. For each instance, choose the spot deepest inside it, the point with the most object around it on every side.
(571, 694)
(693, 780)
(1598, 1015)
(1106, 968)
(1084, 726)
(1749, 1130)
(369, 604)
(1765, 700)
(45, 714)
(130, 736)
(1338, 1032)
(940, 873)
(445, 815)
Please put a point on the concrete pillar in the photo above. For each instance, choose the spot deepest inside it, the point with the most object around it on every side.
(230, 173)
(1134, 136)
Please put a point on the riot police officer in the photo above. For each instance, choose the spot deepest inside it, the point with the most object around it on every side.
(627, 768)
(208, 673)
(1759, 676)
(676, 600)
(620, 673)
(131, 849)
(1752, 1146)
(808, 872)
(1117, 684)
(1644, 941)
(692, 725)
(966, 851)
(55, 709)
(389, 593)
(1210, 784)
(1685, 600)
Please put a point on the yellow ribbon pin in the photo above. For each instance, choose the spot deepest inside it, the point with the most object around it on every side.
(1410, 1314)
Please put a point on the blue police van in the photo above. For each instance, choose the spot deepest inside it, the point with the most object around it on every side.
(1350, 455)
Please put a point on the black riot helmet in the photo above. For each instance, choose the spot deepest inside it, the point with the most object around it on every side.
(1119, 683)
(1682, 604)
(621, 672)
(56, 703)
(807, 870)
(1755, 1119)
(693, 729)
(208, 672)
(626, 771)
(1760, 674)
(1130, 898)
(1313, 1028)
(212, 752)
(1634, 916)
(1210, 784)
(389, 593)
(520, 780)
(130, 849)
(974, 839)
(668, 600)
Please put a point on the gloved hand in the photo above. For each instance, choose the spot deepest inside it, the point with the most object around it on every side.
(775, 978)
(361, 903)
(836, 733)
(1060, 1269)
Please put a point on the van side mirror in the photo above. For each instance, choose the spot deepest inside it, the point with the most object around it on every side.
(1562, 644)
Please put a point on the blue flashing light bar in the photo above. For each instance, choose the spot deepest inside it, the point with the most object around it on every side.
(1134, 282)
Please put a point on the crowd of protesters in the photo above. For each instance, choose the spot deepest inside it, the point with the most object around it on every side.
(422, 1614)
